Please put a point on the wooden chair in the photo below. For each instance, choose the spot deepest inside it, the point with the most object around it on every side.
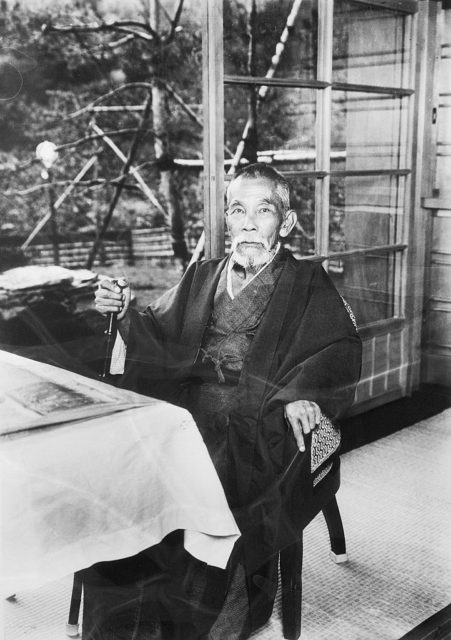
(290, 573)
(323, 499)
(72, 627)
(291, 557)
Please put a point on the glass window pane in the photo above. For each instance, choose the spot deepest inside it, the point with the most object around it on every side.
(301, 240)
(369, 131)
(365, 211)
(367, 282)
(298, 56)
(285, 124)
(372, 45)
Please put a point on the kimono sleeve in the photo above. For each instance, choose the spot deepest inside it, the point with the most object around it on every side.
(151, 359)
(324, 361)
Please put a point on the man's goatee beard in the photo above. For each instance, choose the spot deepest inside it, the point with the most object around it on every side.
(254, 261)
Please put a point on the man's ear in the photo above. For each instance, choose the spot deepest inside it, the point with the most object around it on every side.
(288, 223)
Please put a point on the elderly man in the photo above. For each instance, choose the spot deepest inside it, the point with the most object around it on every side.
(257, 346)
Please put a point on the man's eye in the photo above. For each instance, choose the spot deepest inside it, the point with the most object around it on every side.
(264, 210)
(236, 211)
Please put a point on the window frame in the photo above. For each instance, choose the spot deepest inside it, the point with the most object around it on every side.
(214, 79)
(409, 248)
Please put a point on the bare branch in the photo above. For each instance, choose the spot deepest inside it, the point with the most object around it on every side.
(105, 96)
(118, 43)
(90, 138)
(127, 26)
(123, 108)
(133, 170)
(303, 232)
(118, 189)
(188, 110)
(87, 184)
(183, 104)
(175, 22)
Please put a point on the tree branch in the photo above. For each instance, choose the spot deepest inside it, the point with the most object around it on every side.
(126, 26)
(182, 103)
(105, 96)
(175, 22)
(125, 170)
(87, 184)
(90, 138)
(303, 232)
(118, 43)
(188, 110)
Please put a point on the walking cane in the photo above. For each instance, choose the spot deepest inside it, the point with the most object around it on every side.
(111, 331)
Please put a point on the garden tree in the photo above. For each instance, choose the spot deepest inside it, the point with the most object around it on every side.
(161, 54)
(143, 60)
(92, 67)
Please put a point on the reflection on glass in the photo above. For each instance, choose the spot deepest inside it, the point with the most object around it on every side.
(285, 130)
(367, 282)
(365, 211)
(297, 58)
(301, 240)
(369, 131)
(372, 45)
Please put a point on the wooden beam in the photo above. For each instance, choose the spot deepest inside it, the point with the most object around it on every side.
(420, 186)
(276, 82)
(213, 108)
(299, 83)
(436, 203)
(396, 92)
(401, 6)
(323, 126)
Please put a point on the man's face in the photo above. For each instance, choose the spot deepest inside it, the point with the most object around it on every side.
(254, 219)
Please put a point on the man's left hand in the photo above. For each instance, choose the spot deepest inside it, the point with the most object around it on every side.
(303, 416)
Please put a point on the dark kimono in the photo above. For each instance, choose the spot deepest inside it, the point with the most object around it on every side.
(305, 347)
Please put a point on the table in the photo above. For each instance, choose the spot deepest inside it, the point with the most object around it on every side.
(90, 473)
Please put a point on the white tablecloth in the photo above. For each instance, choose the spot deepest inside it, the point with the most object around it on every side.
(102, 488)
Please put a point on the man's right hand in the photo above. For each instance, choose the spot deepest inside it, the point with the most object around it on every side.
(110, 298)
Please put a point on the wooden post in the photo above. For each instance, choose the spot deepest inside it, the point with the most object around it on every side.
(323, 125)
(213, 108)
(422, 185)
(53, 223)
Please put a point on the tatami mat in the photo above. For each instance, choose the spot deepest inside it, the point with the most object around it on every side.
(395, 502)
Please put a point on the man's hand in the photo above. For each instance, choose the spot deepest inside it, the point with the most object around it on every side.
(110, 298)
(303, 416)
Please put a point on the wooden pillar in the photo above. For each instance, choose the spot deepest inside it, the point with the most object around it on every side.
(323, 126)
(213, 108)
(421, 185)
(53, 223)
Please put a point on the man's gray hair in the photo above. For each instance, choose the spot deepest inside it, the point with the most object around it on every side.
(262, 170)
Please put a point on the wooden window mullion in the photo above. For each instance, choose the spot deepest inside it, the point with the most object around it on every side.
(323, 124)
(213, 110)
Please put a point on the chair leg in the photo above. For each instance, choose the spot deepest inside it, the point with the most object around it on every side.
(291, 578)
(336, 533)
(72, 627)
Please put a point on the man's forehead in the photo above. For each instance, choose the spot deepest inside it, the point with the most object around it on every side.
(244, 187)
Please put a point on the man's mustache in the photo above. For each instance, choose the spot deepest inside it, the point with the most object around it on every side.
(247, 240)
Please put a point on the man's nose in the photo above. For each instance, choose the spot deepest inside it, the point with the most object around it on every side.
(249, 222)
